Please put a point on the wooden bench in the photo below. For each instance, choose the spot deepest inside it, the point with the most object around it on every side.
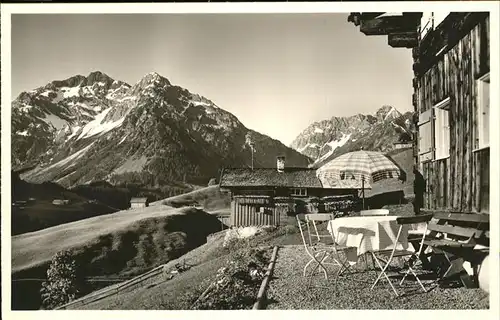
(455, 236)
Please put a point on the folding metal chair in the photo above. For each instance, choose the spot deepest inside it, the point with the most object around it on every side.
(412, 256)
(368, 213)
(318, 249)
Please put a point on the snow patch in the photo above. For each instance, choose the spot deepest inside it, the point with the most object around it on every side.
(127, 98)
(54, 121)
(25, 108)
(96, 126)
(71, 158)
(85, 106)
(69, 92)
(74, 131)
(64, 177)
(88, 90)
(334, 144)
(199, 103)
(318, 130)
(59, 97)
(398, 126)
(22, 133)
(309, 145)
(388, 113)
(46, 93)
(85, 113)
(123, 139)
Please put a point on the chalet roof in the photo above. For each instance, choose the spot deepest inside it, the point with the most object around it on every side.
(141, 200)
(270, 177)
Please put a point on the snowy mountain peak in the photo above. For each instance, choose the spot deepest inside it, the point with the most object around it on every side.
(151, 80)
(154, 77)
(327, 139)
(95, 128)
(98, 77)
(387, 113)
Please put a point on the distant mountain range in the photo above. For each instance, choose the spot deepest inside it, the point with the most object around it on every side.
(93, 128)
(327, 139)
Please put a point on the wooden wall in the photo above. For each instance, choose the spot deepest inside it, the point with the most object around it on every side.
(245, 212)
(461, 182)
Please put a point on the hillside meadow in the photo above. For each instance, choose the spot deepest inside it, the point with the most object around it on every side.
(210, 198)
(124, 243)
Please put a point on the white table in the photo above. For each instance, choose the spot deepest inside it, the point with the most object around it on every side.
(367, 234)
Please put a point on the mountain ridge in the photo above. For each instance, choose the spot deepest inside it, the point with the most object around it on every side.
(326, 139)
(83, 129)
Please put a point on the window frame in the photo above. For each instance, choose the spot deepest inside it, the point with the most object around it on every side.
(301, 192)
(480, 107)
(445, 104)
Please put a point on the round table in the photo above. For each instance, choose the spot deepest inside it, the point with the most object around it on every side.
(367, 234)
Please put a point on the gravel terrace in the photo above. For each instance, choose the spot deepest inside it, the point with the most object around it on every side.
(287, 289)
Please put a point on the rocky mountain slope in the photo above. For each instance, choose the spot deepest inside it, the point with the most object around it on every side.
(85, 129)
(327, 139)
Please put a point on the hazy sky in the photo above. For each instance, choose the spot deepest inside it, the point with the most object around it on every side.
(276, 72)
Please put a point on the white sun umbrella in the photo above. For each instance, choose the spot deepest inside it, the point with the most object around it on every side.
(356, 170)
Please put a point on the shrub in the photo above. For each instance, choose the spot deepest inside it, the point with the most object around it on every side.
(180, 203)
(212, 182)
(64, 283)
(236, 284)
(290, 229)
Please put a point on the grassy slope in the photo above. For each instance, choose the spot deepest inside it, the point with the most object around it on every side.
(43, 214)
(165, 295)
(37, 248)
(210, 198)
(122, 244)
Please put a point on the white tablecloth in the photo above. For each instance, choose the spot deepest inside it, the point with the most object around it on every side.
(367, 234)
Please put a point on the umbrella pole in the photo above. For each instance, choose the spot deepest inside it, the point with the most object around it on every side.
(363, 191)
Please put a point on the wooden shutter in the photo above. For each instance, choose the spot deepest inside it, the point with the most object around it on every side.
(425, 136)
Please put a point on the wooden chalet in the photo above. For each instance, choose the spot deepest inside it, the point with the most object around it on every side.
(141, 202)
(451, 55)
(265, 196)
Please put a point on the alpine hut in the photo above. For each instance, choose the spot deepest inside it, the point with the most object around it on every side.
(139, 203)
(265, 196)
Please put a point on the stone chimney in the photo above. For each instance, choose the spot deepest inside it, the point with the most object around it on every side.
(280, 163)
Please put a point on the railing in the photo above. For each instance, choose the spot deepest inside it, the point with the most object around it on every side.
(112, 290)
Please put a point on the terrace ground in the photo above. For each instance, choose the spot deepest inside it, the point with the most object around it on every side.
(287, 288)
(353, 291)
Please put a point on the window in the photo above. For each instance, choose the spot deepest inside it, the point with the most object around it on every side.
(434, 132)
(299, 192)
(483, 112)
(442, 129)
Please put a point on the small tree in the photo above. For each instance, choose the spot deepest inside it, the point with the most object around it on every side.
(64, 281)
